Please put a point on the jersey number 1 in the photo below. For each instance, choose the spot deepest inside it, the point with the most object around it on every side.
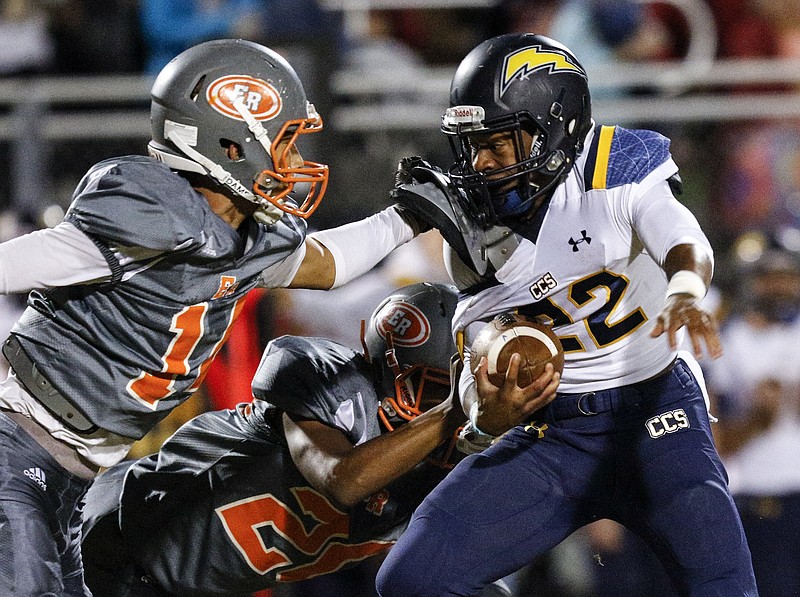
(187, 329)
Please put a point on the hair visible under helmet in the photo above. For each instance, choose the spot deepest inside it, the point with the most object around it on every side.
(234, 94)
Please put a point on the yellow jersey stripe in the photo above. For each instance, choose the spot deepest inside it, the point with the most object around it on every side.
(460, 343)
(603, 153)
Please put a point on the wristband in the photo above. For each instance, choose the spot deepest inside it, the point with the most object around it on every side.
(473, 418)
(686, 282)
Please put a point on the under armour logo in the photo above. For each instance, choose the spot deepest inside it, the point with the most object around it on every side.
(584, 239)
(536, 429)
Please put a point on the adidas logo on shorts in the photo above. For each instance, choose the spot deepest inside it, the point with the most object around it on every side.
(36, 474)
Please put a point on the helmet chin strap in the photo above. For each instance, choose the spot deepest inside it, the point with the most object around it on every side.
(254, 125)
(267, 213)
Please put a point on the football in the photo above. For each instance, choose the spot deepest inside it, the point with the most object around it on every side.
(509, 333)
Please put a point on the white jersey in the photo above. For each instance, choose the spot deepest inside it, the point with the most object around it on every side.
(592, 268)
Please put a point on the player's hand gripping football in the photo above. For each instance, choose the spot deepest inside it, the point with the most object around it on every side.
(684, 310)
(501, 408)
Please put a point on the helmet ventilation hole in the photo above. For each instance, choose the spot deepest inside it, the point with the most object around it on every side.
(196, 89)
(233, 150)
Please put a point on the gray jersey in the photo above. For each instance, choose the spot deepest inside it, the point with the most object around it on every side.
(222, 509)
(129, 351)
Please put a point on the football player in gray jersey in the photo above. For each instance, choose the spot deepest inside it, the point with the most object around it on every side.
(303, 481)
(134, 293)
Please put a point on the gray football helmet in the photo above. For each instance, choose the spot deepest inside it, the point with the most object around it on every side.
(233, 110)
(408, 342)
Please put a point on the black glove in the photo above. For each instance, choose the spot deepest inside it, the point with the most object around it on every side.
(414, 221)
(433, 201)
(404, 167)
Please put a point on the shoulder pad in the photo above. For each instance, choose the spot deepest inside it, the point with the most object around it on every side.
(619, 156)
(302, 375)
(137, 201)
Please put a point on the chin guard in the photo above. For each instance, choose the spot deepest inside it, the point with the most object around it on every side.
(434, 200)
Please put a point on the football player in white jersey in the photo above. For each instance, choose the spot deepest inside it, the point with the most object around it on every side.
(575, 225)
(135, 292)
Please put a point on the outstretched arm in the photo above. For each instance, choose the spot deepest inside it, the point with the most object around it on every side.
(59, 256)
(673, 237)
(350, 473)
(338, 255)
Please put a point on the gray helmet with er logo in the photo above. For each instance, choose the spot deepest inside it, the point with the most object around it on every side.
(409, 343)
(233, 110)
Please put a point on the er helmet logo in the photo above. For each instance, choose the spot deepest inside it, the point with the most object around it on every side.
(259, 97)
(407, 324)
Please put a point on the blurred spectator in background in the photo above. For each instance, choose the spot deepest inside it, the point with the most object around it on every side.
(95, 36)
(381, 47)
(600, 32)
(743, 31)
(26, 47)
(758, 185)
(299, 21)
(764, 320)
(783, 17)
(756, 390)
(171, 26)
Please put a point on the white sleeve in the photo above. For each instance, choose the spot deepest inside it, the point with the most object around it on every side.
(281, 274)
(59, 256)
(357, 247)
(662, 222)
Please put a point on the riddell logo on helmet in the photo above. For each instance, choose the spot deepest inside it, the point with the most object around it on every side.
(407, 324)
(260, 98)
(527, 60)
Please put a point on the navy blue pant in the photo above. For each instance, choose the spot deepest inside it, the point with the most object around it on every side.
(642, 455)
(40, 519)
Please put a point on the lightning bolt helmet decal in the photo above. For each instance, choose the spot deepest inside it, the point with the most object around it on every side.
(521, 63)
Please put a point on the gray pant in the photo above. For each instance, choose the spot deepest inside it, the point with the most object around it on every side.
(40, 519)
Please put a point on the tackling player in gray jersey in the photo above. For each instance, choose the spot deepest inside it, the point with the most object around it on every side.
(135, 292)
(301, 482)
